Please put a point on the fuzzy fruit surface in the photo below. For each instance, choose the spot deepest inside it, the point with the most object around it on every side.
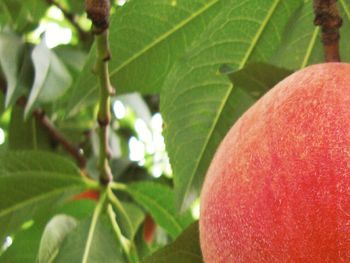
(278, 188)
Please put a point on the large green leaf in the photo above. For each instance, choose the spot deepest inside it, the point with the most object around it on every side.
(52, 79)
(146, 38)
(92, 241)
(185, 249)
(54, 234)
(198, 103)
(158, 200)
(33, 182)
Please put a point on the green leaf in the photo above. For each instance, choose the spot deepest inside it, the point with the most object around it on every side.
(79, 209)
(36, 161)
(72, 57)
(5, 15)
(52, 79)
(24, 15)
(95, 239)
(184, 249)
(54, 234)
(198, 103)
(146, 38)
(26, 242)
(35, 136)
(32, 183)
(25, 245)
(158, 200)
(11, 54)
(76, 7)
(301, 44)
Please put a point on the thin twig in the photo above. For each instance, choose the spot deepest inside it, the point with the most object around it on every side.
(83, 35)
(45, 122)
(328, 18)
(98, 12)
(74, 151)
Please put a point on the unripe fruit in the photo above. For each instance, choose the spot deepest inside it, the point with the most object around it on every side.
(278, 188)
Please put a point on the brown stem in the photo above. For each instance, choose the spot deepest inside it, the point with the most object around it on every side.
(40, 116)
(328, 18)
(72, 19)
(74, 151)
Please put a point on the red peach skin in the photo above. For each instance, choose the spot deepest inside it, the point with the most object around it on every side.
(278, 188)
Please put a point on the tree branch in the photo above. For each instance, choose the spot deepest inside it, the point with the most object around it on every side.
(74, 151)
(45, 122)
(98, 12)
(327, 16)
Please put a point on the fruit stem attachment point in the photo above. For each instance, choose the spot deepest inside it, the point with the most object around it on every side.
(328, 18)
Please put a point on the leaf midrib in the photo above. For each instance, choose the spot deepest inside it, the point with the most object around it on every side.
(229, 91)
(94, 220)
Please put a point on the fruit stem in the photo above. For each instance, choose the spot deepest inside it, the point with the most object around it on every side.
(328, 18)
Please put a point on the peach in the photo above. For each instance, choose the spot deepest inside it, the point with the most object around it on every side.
(278, 188)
